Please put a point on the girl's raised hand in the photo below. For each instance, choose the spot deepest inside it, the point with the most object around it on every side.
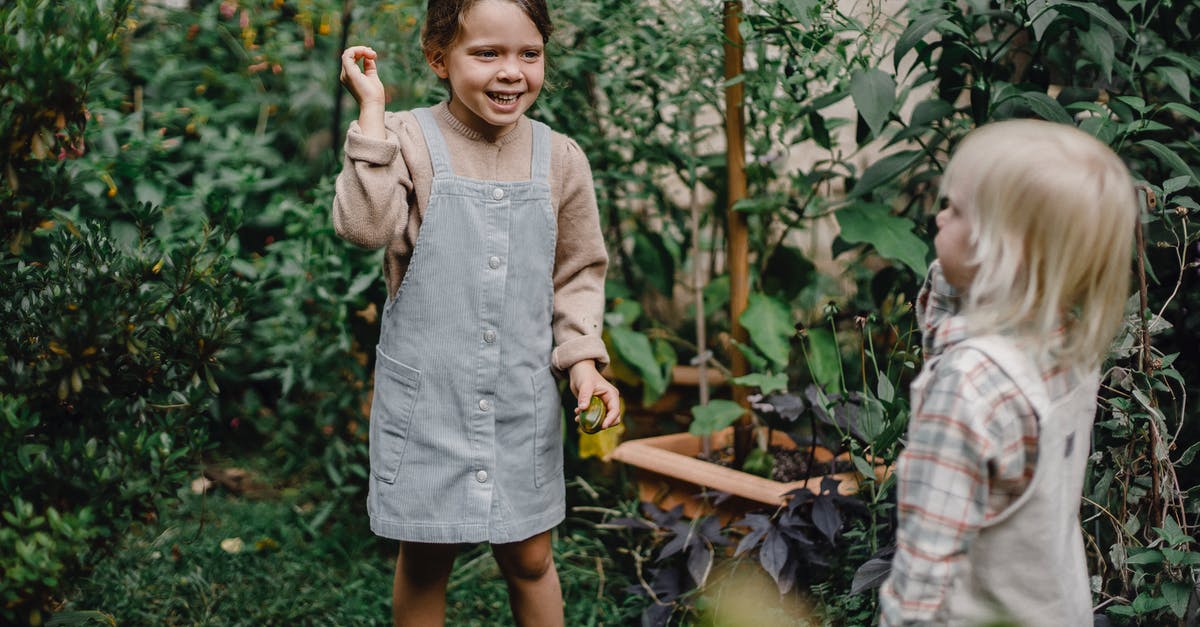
(363, 83)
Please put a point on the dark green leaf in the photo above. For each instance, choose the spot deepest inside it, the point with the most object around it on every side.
(1044, 106)
(1176, 595)
(823, 360)
(1100, 14)
(1147, 556)
(766, 383)
(769, 323)
(634, 349)
(920, 26)
(1172, 159)
(892, 236)
(1177, 79)
(714, 416)
(883, 171)
(874, 95)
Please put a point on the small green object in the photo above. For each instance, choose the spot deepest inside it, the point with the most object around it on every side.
(759, 462)
(591, 419)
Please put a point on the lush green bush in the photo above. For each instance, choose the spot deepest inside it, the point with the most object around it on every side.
(112, 336)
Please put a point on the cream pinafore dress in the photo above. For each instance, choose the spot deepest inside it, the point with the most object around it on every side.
(1028, 564)
(465, 440)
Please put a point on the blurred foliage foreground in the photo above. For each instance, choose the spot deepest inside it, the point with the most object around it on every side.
(172, 291)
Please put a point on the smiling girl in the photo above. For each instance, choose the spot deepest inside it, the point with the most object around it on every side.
(495, 269)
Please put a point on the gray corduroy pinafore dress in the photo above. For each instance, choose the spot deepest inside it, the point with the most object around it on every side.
(465, 425)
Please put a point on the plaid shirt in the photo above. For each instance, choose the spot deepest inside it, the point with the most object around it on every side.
(971, 451)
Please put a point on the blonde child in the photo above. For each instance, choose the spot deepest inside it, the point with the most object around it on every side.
(1028, 290)
(495, 269)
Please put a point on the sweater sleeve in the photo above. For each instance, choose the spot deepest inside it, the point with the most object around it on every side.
(580, 266)
(372, 192)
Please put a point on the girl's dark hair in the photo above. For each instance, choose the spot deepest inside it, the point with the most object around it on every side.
(443, 17)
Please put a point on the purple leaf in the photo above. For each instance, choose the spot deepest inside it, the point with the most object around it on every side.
(773, 554)
(787, 577)
(750, 540)
(699, 563)
(826, 517)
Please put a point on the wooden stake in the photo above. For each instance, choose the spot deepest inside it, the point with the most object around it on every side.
(738, 245)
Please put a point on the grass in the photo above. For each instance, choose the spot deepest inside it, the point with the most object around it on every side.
(303, 561)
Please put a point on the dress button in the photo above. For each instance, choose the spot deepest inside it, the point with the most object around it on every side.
(498, 193)
(493, 262)
(481, 476)
(489, 336)
(485, 404)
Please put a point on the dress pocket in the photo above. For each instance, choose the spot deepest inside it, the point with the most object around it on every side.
(547, 427)
(396, 390)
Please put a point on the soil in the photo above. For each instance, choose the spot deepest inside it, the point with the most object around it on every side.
(791, 464)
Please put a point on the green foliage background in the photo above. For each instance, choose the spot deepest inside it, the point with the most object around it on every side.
(173, 289)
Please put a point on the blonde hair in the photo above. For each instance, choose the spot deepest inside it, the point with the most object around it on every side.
(1052, 212)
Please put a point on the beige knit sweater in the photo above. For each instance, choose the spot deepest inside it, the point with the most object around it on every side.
(383, 191)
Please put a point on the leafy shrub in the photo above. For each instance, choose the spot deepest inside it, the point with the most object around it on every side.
(112, 336)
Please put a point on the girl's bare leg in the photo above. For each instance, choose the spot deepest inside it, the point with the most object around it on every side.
(534, 593)
(419, 589)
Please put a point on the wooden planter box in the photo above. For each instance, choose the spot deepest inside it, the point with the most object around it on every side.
(669, 474)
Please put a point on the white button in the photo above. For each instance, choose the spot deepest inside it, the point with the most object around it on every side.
(489, 336)
(485, 404)
(497, 193)
(481, 476)
(493, 262)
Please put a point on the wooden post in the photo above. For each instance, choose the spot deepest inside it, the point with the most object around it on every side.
(738, 251)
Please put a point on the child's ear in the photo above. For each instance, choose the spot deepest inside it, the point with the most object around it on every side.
(437, 61)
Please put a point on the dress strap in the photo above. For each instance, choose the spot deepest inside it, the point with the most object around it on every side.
(539, 167)
(436, 143)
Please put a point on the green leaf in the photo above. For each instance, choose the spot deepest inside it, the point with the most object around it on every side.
(892, 236)
(1189, 454)
(766, 383)
(883, 171)
(884, 388)
(1172, 533)
(920, 26)
(634, 349)
(1099, 43)
(1044, 106)
(1176, 557)
(759, 462)
(1168, 156)
(1100, 15)
(714, 416)
(874, 95)
(769, 323)
(1170, 186)
(823, 361)
(1176, 595)
(1145, 603)
(1177, 79)
(1183, 110)
(1147, 556)
(360, 283)
(761, 204)
(863, 467)
(870, 418)
(1043, 16)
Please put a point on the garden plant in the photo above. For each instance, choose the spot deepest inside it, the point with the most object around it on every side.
(174, 299)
